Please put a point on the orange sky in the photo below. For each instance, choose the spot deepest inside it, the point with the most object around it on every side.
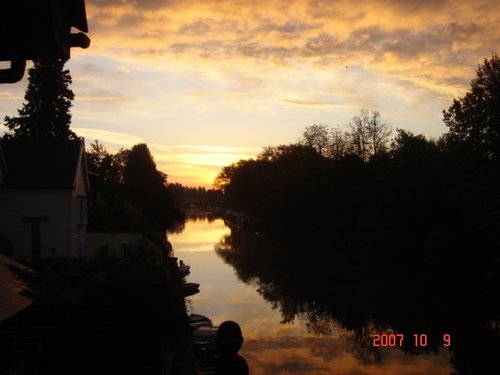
(205, 83)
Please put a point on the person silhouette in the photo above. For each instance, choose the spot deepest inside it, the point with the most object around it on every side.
(229, 340)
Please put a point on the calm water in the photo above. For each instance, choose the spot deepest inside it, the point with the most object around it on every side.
(270, 346)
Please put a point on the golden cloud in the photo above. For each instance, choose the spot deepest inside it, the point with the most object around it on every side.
(108, 137)
(427, 42)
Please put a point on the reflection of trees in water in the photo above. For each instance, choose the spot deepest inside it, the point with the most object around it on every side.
(179, 226)
(202, 216)
(374, 292)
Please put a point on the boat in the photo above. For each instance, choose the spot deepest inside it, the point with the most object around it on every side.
(204, 338)
(205, 348)
(183, 269)
(197, 320)
(188, 289)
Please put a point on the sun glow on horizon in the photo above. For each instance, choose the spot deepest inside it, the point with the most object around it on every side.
(189, 165)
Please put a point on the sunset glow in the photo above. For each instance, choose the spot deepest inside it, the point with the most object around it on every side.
(190, 77)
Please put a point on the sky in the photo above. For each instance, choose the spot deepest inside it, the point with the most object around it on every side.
(206, 83)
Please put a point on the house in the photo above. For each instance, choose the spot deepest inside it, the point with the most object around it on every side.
(43, 198)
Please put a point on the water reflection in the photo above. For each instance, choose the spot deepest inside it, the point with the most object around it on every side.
(301, 315)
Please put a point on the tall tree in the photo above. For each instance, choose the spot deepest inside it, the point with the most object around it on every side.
(48, 99)
(317, 136)
(368, 134)
(358, 134)
(147, 188)
(378, 133)
(339, 142)
(475, 118)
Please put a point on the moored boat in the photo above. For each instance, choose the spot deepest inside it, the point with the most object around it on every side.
(204, 337)
(188, 289)
(183, 269)
(197, 320)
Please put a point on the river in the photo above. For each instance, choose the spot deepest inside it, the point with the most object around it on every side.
(274, 347)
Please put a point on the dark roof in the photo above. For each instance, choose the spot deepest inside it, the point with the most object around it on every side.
(45, 164)
(11, 288)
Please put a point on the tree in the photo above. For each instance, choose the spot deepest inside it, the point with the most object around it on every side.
(147, 188)
(96, 155)
(130, 194)
(338, 146)
(475, 118)
(368, 134)
(378, 133)
(317, 136)
(48, 99)
(108, 167)
(413, 150)
(358, 134)
(224, 177)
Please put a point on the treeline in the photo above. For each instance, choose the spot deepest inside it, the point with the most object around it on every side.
(129, 193)
(195, 197)
(364, 135)
(357, 188)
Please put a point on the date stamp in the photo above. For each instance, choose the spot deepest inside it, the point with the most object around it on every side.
(419, 340)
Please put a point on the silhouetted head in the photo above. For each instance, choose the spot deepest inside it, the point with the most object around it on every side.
(229, 337)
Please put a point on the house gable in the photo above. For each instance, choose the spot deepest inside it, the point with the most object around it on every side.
(43, 197)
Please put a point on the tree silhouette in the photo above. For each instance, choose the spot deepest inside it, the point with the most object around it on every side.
(147, 188)
(365, 135)
(130, 194)
(339, 143)
(368, 134)
(475, 118)
(317, 136)
(46, 111)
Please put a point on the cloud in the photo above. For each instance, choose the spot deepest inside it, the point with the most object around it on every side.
(212, 71)
(5, 95)
(108, 137)
(315, 104)
(406, 39)
(195, 28)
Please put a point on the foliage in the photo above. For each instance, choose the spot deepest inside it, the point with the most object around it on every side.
(364, 135)
(48, 99)
(146, 188)
(317, 137)
(475, 118)
(122, 321)
(199, 197)
(419, 188)
(130, 194)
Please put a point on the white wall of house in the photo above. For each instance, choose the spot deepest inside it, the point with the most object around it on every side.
(79, 208)
(3, 165)
(63, 234)
(55, 234)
